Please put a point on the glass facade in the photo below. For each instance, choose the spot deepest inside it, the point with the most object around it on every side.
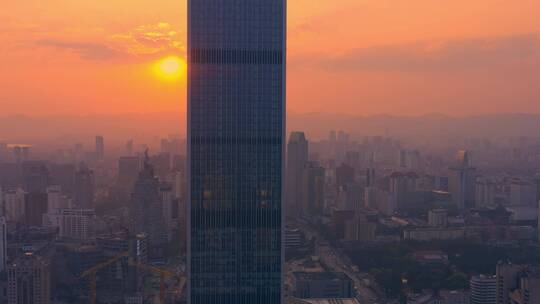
(235, 137)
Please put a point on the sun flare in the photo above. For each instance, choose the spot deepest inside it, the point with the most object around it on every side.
(170, 68)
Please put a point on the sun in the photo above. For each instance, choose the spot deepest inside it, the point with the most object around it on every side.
(170, 68)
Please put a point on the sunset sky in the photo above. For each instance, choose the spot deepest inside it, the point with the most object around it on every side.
(365, 57)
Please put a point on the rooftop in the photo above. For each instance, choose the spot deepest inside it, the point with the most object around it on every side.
(316, 276)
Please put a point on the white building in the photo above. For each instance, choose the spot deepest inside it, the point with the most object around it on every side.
(72, 223)
(483, 289)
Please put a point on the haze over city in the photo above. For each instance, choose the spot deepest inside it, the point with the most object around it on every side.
(270, 152)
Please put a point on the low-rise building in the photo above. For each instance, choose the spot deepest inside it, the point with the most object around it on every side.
(316, 285)
(433, 233)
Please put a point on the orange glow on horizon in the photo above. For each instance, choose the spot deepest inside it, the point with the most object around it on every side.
(400, 57)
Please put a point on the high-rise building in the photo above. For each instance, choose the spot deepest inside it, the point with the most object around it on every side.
(84, 188)
(483, 289)
(517, 284)
(55, 199)
(167, 201)
(528, 290)
(522, 193)
(14, 205)
(344, 175)
(128, 170)
(35, 176)
(537, 186)
(29, 280)
(484, 193)
(129, 147)
(297, 157)
(235, 137)
(313, 180)
(507, 280)
(63, 175)
(3, 243)
(370, 177)
(100, 148)
(147, 210)
(35, 206)
(3, 152)
(462, 180)
(402, 185)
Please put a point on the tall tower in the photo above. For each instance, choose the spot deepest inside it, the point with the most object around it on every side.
(100, 147)
(461, 182)
(3, 243)
(297, 158)
(236, 127)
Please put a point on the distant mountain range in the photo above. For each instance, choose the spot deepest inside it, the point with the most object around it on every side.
(152, 126)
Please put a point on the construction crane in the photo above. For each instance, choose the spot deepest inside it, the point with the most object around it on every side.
(162, 273)
(92, 272)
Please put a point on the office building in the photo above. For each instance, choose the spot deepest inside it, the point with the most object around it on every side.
(483, 289)
(36, 176)
(294, 238)
(75, 224)
(507, 275)
(528, 290)
(522, 193)
(322, 285)
(3, 243)
(128, 171)
(146, 211)
(14, 205)
(462, 181)
(35, 206)
(313, 184)
(235, 138)
(403, 185)
(55, 199)
(297, 157)
(360, 228)
(29, 280)
(484, 193)
(438, 217)
(84, 188)
(100, 148)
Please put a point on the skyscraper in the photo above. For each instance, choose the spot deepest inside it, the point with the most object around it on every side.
(313, 180)
(235, 138)
(84, 188)
(297, 157)
(3, 243)
(100, 148)
(29, 280)
(462, 180)
(146, 211)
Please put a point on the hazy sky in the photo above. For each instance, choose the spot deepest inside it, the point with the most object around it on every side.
(347, 56)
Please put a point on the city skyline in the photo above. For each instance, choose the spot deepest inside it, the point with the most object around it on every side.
(398, 57)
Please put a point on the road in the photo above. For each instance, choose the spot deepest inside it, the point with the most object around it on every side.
(336, 261)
